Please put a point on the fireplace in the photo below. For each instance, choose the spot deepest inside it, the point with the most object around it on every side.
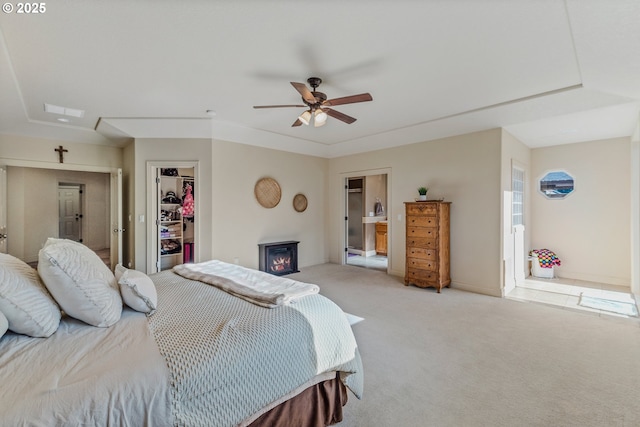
(279, 258)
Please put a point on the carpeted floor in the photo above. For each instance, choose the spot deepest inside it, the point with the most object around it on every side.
(463, 359)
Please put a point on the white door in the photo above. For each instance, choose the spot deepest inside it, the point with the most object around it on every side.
(508, 245)
(69, 212)
(514, 254)
(116, 218)
(517, 222)
(345, 254)
(3, 210)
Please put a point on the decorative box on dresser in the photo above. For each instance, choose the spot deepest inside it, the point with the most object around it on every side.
(427, 255)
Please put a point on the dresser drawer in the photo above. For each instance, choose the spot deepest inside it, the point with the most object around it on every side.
(422, 276)
(422, 252)
(428, 232)
(421, 264)
(422, 221)
(422, 209)
(422, 242)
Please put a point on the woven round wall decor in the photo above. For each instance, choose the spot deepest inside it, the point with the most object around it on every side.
(267, 192)
(300, 202)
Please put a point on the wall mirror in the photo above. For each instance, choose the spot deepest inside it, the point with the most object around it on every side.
(556, 185)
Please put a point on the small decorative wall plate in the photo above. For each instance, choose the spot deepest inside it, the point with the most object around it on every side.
(300, 202)
(267, 192)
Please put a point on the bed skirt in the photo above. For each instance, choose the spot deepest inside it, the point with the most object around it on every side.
(317, 406)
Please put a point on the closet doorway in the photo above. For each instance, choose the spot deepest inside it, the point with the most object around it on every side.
(366, 226)
(173, 206)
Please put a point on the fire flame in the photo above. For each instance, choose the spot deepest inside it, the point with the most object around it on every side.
(280, 263)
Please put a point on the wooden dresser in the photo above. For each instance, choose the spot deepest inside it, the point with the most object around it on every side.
(427, 244)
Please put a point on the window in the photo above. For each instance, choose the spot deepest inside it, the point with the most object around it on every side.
(517, 198)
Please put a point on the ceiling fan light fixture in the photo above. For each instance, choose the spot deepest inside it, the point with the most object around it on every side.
(320, 118)
(305, 117)
(318, 104)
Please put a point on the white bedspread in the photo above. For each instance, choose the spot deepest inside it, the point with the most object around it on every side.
(255, 286)
(85, 376)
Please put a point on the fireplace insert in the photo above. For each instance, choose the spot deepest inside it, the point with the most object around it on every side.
(279, 258)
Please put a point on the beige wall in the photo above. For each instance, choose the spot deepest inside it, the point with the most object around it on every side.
(32, 211)
(232, 222)
(240, 222)
(39, 154)
(464, 170)
(172, 150)
(589, 230)
(470, 170)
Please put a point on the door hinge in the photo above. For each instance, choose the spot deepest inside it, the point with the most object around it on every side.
(157, 180)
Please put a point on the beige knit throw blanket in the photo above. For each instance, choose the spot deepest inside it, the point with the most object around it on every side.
(254, 286)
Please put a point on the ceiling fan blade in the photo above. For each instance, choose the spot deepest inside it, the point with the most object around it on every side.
(363, 97)
(296, 123)
(304, 91)
(338, 115)
(278, 106)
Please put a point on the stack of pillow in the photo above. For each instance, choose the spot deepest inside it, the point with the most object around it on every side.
(70, 278)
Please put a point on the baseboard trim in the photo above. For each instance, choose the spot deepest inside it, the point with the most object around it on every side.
(476, 289)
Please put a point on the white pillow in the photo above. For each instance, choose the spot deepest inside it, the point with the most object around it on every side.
(137, 289)
(4, 324)
(80, 282)
(24, 301)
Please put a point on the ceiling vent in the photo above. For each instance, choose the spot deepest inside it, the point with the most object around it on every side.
(56, 109)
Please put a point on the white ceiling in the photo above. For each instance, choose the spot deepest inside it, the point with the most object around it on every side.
(549, 71)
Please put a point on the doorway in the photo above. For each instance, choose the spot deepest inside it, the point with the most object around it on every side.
(173, 208)
(366, 225)
(36, 210)
(70, 212)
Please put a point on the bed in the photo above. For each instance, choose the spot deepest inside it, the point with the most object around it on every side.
(202, 356)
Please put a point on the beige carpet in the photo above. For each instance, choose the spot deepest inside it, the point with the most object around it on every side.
(462, 359)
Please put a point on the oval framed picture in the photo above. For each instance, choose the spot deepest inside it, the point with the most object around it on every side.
(300, 202)
(267, 192)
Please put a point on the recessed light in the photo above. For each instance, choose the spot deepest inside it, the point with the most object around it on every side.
(63, 120)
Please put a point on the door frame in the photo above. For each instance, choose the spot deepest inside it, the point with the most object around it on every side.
(115, 191)
(344, 240)
(153, 168)
(3, 209)
(514, 248)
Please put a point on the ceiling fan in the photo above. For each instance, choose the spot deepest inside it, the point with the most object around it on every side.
(318, 104)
